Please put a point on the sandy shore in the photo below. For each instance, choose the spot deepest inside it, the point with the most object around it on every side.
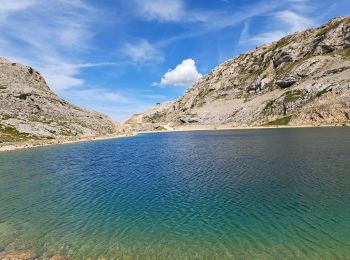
(38, 143)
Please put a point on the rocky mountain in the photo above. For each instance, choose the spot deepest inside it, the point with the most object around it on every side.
(302, 79)
(30, 110)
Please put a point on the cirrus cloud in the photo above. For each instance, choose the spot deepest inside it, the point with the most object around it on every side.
(142, 52)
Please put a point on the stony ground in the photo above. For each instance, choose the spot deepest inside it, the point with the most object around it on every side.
(303, 79)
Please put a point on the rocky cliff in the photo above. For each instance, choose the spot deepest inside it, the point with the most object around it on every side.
(30, 110)
(303, 79)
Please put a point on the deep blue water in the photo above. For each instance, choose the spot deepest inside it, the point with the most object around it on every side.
(245, 194)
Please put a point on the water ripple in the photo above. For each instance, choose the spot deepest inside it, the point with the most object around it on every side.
(259, 194)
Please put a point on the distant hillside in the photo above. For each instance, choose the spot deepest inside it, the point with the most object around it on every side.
(30, 110)
(303, 79)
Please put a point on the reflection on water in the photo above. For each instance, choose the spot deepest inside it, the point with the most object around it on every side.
(220, 194)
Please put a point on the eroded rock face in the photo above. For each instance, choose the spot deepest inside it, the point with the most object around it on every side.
(29, 109)
(285, 79)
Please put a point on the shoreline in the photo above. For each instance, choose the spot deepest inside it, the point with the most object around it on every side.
(6, 147)
(228, 128)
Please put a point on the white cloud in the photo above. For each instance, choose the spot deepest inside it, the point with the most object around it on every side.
(161, 10)
(44, 45)
(261, 38)
(280, 24)
(8, 6)
(184, 75)
(295, 21)
(142, 52)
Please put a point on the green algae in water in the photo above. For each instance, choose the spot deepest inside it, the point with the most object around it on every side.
(275, 193)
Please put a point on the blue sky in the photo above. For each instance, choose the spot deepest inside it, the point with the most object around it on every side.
(120, 57)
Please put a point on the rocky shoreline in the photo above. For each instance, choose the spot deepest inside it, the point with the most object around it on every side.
(39, 143)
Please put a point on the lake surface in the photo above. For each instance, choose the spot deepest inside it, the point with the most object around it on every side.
(277, 193)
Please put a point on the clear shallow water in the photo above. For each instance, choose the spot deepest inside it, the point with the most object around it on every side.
(279, 193)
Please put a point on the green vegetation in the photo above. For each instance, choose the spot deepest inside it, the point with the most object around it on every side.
(269, 105)
(11, 134)
(5, 117)
(291, 96)
(2, 87)
(156, 117)
(322, 92)
(67, 132)
(280, 121)
(283, 42)
(24, 96)
(269, 86)
(63, 103)
(346, 52)
(327, 29)
(343, 52)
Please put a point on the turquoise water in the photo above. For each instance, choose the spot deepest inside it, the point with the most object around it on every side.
(278, 193)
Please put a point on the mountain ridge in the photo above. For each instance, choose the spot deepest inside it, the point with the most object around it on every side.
(302, 79)
(29, 110)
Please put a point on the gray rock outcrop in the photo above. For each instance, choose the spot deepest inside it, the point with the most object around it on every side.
(30, 110)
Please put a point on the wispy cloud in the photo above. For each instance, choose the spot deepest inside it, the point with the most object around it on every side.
(9, 6)
(142, 51)
(296, 22)
(44, 45)
(160, 10)
(204, 22)
(294, 17)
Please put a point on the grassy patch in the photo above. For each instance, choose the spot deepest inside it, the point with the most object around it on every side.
(11, 134)
(291, 96)
(157, 117)
(269, 86)
(63, 103)
(280, 121)
(283, 42)
(327, 29)
(322, 92)
(67, 132)
(269, 105)
(23, 96)
(2, 87)
(6, 117)
(343, 52)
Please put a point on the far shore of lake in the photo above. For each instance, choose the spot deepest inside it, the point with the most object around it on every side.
(46, 142)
